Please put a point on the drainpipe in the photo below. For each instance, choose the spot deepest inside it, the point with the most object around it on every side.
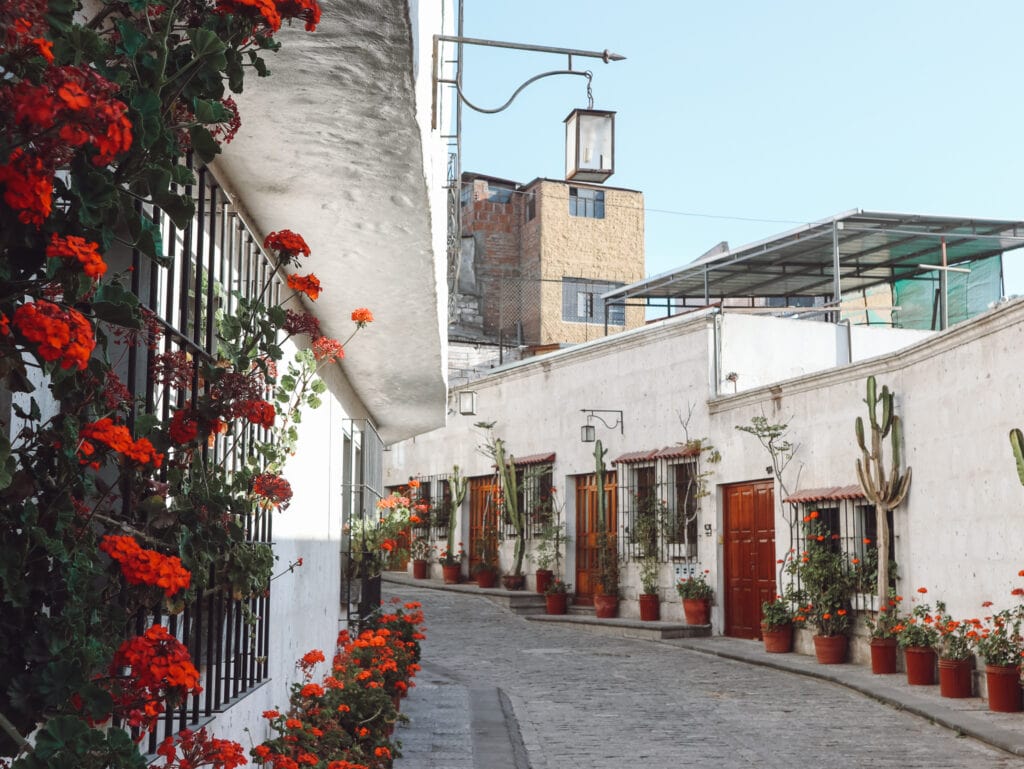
(716, 351)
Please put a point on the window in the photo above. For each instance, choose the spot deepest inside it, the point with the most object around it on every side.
(582, 303)
(681, 527)
(531, 206)
(586, 202)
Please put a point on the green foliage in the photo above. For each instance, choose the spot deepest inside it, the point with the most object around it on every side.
(1017, 444)
(649, 572)
(695, 587)
(825, 582)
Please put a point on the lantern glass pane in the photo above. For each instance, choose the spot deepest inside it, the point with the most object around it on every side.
(595, 151)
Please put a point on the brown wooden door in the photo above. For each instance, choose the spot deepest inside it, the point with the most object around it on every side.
(482, 515)
(587, 540)
(749, 521)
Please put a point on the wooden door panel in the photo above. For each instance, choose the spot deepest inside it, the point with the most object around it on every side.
(749, 533)
(482, 514)
(587, 533)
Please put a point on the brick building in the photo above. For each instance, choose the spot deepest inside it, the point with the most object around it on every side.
(535, 260)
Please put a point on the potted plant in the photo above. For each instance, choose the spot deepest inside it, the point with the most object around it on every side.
(696, 594)
(650, 601)
(420, 549)
(1000, 642)
(550, 539)
(956, 656)
(486, 569)
(451, 563)
(825, 587)
(556, 597)
(918, 638)
(777, 625)
(606, 600)
(882, 629)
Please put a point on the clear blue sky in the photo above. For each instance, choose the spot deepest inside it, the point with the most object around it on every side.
(743, 110)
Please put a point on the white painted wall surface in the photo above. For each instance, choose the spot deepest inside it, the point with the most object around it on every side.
(960, 533)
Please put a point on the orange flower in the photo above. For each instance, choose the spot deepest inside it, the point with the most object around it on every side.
(922, 590)
(146, 567)
(361, 316)
(78, 249)
(305, 284)
(61, 335)
(415, 519)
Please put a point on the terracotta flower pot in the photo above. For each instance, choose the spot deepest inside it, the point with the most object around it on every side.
(920, 661)
(486, 578)
(831, 649)
(1003, 688)
(883, 656)
(419, 569)
(452, 574)
(697, 611)
(955, 680)
(556, 603)
(513, 581)
(650, 607)
(544, 577)
(778, 640)
(606, 606)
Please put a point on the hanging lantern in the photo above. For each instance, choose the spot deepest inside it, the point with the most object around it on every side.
(589, 145)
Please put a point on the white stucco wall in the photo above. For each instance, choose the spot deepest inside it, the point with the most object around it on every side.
(958, 394)
(305, 610)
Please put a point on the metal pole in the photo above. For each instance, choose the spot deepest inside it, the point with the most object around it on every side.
(944, 290)
(604, 55)
(837, 289)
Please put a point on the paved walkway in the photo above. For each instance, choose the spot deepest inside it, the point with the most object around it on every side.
(500, 692)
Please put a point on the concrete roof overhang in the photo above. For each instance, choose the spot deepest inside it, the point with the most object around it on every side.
(870, 248)
(330, 147)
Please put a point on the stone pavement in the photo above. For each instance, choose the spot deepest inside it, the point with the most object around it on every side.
(500, 692)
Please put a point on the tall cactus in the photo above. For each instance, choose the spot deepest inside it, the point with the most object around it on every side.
(886, 491)
(1017, 442)
(506, 466)
(458, 485)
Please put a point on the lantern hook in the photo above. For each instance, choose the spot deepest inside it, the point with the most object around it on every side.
(587, 74)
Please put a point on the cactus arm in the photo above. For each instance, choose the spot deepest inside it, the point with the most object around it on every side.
(886, 410)
(1017, 442)
(871, 400)
(858, 426)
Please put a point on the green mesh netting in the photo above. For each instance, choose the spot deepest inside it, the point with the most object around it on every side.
(969, 294)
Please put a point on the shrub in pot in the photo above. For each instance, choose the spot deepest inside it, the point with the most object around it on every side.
(956, 654)
(917, 637)
(882, 629)
(696, 594)
(556, 597)
(777, 625)
(650, 601)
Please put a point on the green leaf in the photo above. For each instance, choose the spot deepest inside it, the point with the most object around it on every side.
(158, 179)
(258, 64)
(234, 71)
(180, 208)
(131, 38)
(182, 175)
(148, 125)
(210, 111)
(203, 143)
(60, 734)
(231, 328)
(205, 42)
(145, 424)
(318, 386)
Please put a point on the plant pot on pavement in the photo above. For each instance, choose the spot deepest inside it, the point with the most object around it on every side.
(556, 603)
(697, 610)
(452, 573)
(513, 581)
(777, 640)
(486, 578)
(920, 662)
(955, 678)
(883, 656)
(544, 577)
(831, 649)
(650, 607)
(1003, 688)
(606, 606)
(419, 569)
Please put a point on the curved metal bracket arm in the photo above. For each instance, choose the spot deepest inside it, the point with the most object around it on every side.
(588, 75)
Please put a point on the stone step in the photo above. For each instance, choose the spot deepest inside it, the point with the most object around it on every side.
(624, 627)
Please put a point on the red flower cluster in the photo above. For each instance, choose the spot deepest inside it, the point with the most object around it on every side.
(264, 9)
(78, 249)
(61, 335)
(160, 668)
(361, 316)
(200, 749)
(73, 107)
(301, 323)
(307, 10)
(327, 350)
(146, 567)
(287, 243)
(306, 284)
(259, 412)
(184, 427)
(118, 438)
(273, 488)
(25, 24)
(175, 368)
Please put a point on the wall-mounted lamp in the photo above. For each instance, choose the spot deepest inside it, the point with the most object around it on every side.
(588, 432)
(589, 145)
(467, 403)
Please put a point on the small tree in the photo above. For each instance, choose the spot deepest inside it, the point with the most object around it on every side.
(885, 491)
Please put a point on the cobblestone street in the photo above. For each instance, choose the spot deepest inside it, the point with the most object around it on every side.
(587, 701)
